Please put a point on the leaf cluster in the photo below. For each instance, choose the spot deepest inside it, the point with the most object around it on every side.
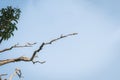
(8, 19)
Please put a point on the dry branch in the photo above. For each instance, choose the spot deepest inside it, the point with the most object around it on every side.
(17, 46)
(26, 59)
(16, 72)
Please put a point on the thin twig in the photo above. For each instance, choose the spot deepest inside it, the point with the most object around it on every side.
(17, 46)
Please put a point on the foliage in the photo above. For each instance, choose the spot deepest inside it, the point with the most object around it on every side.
(8, 19)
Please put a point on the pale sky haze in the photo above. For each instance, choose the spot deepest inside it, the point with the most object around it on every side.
(93, 54)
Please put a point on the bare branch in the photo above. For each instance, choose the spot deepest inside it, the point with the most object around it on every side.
(3, 62)
(26, 59)
(22, 58)
(17, 46)
(16, 72)
(62, 36)
(50, 42)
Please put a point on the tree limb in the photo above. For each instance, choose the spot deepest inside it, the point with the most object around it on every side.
(50, 42)
(26, 59)
(17, 46)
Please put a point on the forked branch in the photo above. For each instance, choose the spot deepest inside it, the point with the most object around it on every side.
(26, 59)
(50, 42)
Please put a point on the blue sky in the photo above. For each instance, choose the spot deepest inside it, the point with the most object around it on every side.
(91, 55)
